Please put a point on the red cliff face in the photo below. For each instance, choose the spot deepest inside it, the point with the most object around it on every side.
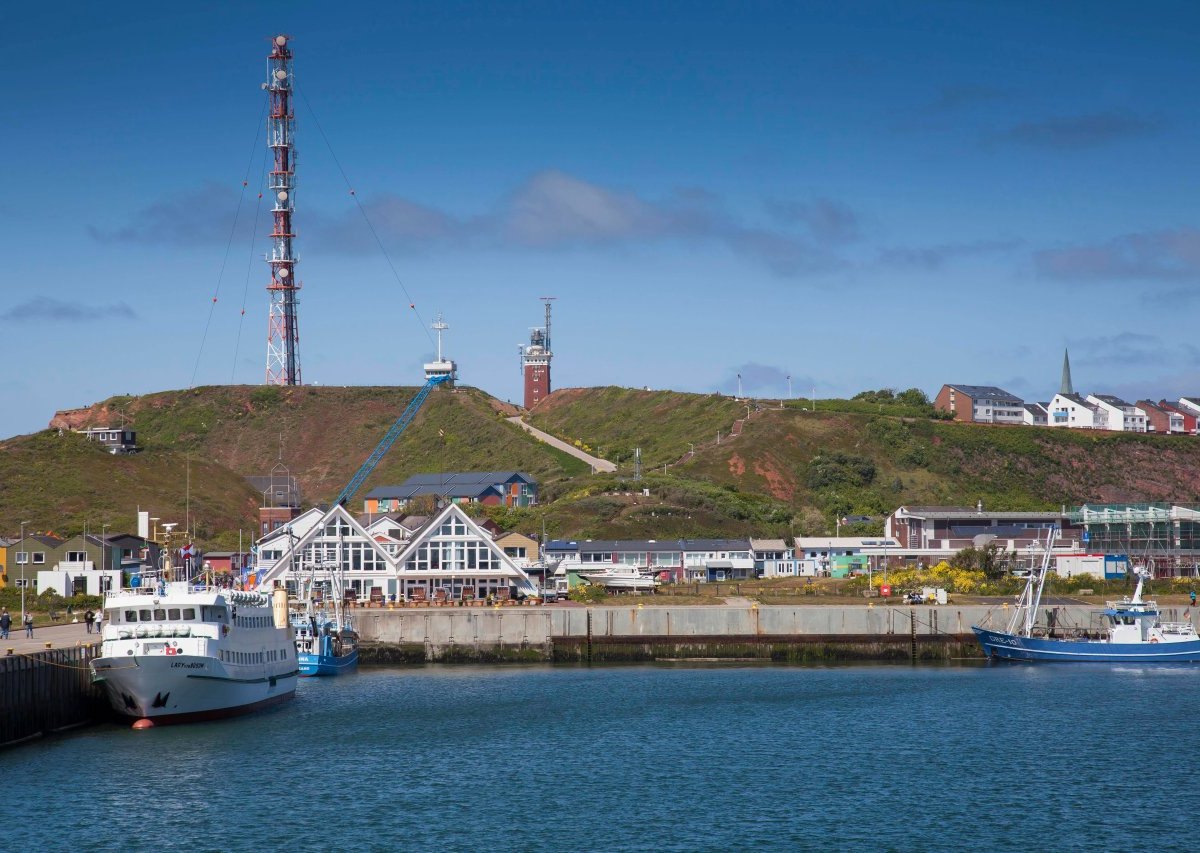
(88, 416)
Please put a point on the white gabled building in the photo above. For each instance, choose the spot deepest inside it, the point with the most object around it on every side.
(1071, 410)
(454, 553)
(772, 558)
(1115, 414)
(450, 553)
(1036, 414)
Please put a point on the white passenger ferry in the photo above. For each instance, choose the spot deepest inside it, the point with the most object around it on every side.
(178, 652)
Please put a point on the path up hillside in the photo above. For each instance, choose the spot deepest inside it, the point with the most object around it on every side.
(614, 421)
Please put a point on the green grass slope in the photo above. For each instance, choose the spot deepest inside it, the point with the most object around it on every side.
(321, 434)
(789, 471)
(826, 464)
(62, 483)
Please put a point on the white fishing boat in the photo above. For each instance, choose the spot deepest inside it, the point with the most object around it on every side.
(179, 651)
(621, 578)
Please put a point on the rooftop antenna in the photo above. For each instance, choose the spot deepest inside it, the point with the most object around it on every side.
(439, 325)
(547, 300)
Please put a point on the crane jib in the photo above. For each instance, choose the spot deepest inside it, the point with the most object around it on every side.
(389, 439)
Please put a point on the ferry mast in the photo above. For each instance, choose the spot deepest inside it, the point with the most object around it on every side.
(283, 335)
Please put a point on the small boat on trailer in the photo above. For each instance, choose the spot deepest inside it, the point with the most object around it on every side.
(1135, 631)
(622, 578)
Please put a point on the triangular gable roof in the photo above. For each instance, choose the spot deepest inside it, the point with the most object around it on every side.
(509, 567)
(309, 517)
(297, 546)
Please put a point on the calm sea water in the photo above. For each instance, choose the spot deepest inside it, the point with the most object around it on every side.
(642, 758)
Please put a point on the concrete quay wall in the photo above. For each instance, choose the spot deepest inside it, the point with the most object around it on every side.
(775, 632)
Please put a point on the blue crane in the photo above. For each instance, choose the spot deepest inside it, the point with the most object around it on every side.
(389, 439)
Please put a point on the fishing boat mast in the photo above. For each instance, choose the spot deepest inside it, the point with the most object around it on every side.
(1025, 613)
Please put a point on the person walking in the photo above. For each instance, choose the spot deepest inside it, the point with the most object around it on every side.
(99, 620)
(90, 619)
(1193, 598)
(28, 626)
(5, 624)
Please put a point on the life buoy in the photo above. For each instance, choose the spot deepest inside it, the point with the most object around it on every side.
(1154, 639)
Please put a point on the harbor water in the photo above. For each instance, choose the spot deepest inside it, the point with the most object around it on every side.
(661, 757)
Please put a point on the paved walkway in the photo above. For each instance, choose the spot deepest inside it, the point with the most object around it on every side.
(59, 636)
(596, 462)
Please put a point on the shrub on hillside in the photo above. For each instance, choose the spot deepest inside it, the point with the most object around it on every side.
(836, 468)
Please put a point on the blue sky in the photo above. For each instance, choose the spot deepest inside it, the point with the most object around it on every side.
(858, 195)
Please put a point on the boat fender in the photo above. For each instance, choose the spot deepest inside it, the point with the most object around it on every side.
(1154, 639)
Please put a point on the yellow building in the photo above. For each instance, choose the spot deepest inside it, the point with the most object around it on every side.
(3, 563)
(518, 546)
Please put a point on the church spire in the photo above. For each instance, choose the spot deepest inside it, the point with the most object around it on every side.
(1067, 387)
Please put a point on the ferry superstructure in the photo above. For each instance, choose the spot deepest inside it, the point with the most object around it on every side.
(176, 652)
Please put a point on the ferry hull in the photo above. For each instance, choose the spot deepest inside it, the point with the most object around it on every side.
(185, 688)
(324, 665)
(998, 644)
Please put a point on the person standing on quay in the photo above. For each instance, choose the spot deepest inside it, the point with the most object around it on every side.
(89, 618)
(5, 624)
(28, 626)
(99, 620)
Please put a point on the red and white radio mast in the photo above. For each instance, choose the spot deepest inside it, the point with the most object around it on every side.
(283, 335)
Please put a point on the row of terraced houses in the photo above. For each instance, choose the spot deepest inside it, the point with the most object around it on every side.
(987, 404)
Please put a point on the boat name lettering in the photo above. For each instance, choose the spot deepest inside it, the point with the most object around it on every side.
(182, 665)
(1008, 641)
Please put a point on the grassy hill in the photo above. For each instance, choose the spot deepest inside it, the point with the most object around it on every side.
(62, 483)
(824, 464)
(784, 470)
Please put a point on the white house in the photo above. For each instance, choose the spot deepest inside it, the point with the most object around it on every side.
(772, 558)
(716, 559)
(1190, 404)
(1035, 414)
(1115, 414)
(77, 581)
(1071, 410)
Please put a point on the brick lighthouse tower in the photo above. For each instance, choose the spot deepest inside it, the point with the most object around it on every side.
(535, 361)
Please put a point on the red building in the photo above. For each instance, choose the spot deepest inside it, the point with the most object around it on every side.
(535, 361)
(1189, 418)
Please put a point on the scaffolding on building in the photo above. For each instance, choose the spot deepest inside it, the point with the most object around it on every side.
(1164, 535)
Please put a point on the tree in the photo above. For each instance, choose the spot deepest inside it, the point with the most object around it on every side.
(994, 562)
(913, 397)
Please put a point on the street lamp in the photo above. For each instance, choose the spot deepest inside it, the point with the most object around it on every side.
(104, 547)
(24, 560)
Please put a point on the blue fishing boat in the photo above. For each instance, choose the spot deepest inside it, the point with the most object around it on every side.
(325, 647)
(1134, 631)
(326, 643)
